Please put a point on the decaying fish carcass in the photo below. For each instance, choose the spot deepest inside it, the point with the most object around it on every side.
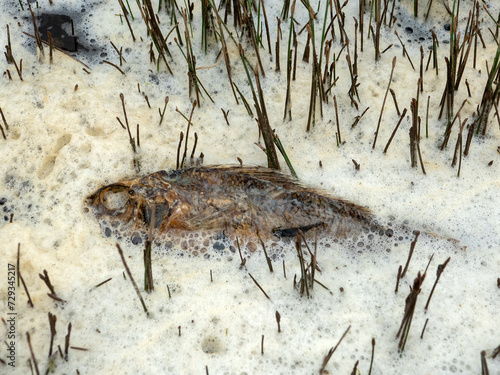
(243, 202)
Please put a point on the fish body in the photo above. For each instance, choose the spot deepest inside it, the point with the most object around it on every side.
(241, 201)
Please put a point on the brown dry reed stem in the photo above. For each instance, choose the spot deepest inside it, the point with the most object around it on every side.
(38, 39)
(410, 304)
(398, 278)
(439, 271)
(383, 103)
(79, 348)
(52, 325)
(207, 24)
(114, 65)
(121, 123)
(148, 267)
(256, 283)
(421, 80)
(66, 342)
(262, 345)
(125, 12)
(355, 368)
(373, 356)
(378, 23)
(414, 133)
(423, 329)
(33, 359)
(468, 141)
(162, 114)
(147, 100)
(337, 119)
(496, 351)
(288, 98)
(490, 95)
(361, 22)
(277, 44)
(8, 47)
(429, 5)
(340, 20)
(120, 53)
(316, 70)
(194, 146)
(353, 90)
(304, 288)
(393, 94)
(154, 31)
(418, 149)
(226, 56)
(412, 248)
(268, 260)
(450, 126)
(132, 141)
(386, 10)
(46, 279)
(187, 135)
(484, 364)
(132, 279)
(359, 117)
(19, 69)
(264, 126)
(243, 260)
(451, 67)
(51, 47)
(248, 19)
(405, 52)
(285, 9)
(470, 35)
(278, 320)
(387, 48)
(138, 138)
(458, 147)
(225, 113)
(330, 353)
(245, 103)
(266, 24)
(30, 302)
(103, 282)
(55, 298)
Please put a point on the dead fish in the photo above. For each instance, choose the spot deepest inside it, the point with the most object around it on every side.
(237, 200)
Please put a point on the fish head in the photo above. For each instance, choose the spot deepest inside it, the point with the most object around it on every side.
(141, 202)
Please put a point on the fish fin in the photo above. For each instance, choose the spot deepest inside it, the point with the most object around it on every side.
(259, 173)
(292, 232)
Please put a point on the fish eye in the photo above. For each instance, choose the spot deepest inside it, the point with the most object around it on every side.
(131, 192)
(115, 200)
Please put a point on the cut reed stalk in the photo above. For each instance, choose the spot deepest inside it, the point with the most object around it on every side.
(410, 304)
(258, 285)
(440, 270)
(120, 251)
(395, 130)
(383, 103)
(331, 351)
